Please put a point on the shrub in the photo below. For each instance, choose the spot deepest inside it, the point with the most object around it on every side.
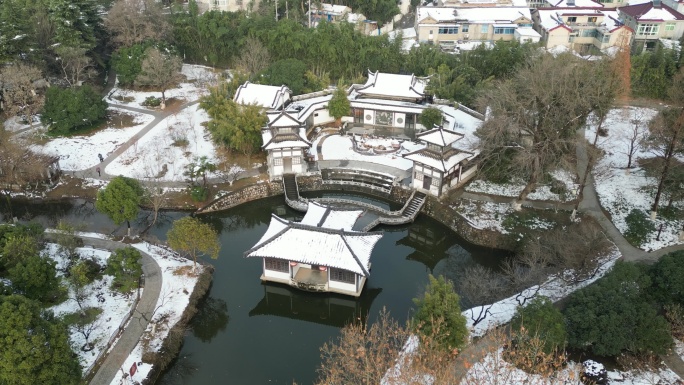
(68, 110)
(430, 117)
(84, 272)
(36, 278)
(199, 193)
(667, 276)
(639, 227)
(152, 101)
(541, 318)
(124, 265)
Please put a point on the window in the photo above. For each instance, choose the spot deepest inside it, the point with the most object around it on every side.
(572, 19)
(589, 33)
(278, 161)
(430, 32)
(448, 30)
(669, 27)
(465, 28)
(504, 30)
(484, 28)
(648, 29)
(276, 265)
(593, 19)
(342, 276)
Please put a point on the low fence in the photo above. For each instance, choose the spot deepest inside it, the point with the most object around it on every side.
(88, 373)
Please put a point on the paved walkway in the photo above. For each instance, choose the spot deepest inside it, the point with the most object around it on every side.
(136, 326)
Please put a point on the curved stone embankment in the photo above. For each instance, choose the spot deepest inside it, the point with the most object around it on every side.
(433, 207)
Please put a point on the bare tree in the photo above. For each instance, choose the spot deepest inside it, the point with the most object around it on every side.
(254, 57)
(18, 84)
(159, 70)
(535, 115)
(135, 21)
(666, 137)
(634, 137)
(479, 287)
(19, 166)
(76, 66)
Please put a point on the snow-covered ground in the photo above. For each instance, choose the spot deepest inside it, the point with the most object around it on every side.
(191, 89)
(541, 193)
(336, 147)
(178, 284)
(155, 154)
(114, 305)
(620, 190)
(502, 312)
(80, 152)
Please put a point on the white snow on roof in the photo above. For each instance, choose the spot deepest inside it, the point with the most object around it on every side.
(406, 33)
(355, 17)
(262, 95)
(266, 136)
(658, 14)
(282, 119)
(439, 164)
(552, 18)
(459, 121)
(578, 3)
(482, 15)
(332, 9)
(332, 219)
(314, 245)
(393, 85)
(527, 31)
(303, 108)
(439, 136)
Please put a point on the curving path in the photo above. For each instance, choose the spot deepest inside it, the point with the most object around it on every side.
(129, 338)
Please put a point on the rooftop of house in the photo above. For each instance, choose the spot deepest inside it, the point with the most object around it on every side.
(551, 18)
(325, 216)
(392, 86)
(442, 163)
(480, 15)
(439, 136)
(483, 3)
(271, 97)
(574, 3)
(302, 243)
(332, 9)
(650, 12)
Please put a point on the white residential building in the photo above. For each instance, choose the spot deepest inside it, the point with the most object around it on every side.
(285, 142)
(447, 26)
(652, 21)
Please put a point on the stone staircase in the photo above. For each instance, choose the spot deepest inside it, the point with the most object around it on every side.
(292, 197)
(412, 208)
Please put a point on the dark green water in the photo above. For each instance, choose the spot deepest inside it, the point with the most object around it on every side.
(247, 332)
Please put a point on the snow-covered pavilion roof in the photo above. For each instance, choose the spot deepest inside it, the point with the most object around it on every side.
(272, 97)
(439, 136)
(393, 85)
(282, 119)
(296, 242)
(427, 158)
(324, 216)
(292, 139)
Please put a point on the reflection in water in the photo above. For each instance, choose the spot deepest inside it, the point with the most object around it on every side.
(327, 309)
(180, 370)
(429, 245)
(211, 318)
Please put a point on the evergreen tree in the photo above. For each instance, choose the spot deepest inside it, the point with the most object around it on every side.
(339, 105)
(431, 117)
(72, 109)
(34, 346)
(124, 265)
(190, 236)
(36, 278)
(120, 200)
(541, 319)
(439, 307)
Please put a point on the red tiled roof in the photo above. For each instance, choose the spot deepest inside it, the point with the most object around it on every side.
(638, 10)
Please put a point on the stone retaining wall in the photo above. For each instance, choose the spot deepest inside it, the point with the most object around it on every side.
(433, 207)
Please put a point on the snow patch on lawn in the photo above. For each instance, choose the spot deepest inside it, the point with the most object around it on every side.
(198, 77)
(177, 285)
(80, 152)
(541, 193)
(115, 306)
(159, 155)
(621, 190)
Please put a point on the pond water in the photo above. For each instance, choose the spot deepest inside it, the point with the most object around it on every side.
(247, 332)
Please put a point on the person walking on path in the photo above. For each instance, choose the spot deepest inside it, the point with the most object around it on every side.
(98, 171)
(101, 158)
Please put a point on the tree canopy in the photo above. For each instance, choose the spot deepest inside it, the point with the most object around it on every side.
(540, 318)
(72, 109)
(190, 236)
(34, 346)
(120, 200)
(614, 315)
(431, 117)
(439, 307)
(339, 105)
(124, 264)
